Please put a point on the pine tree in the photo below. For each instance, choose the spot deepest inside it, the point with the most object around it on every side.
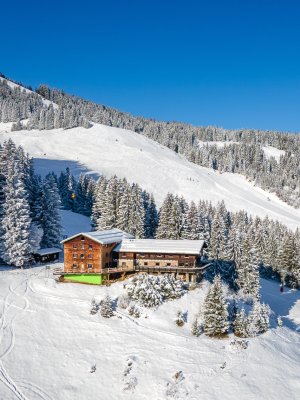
(241, 324)
(259, 319)
(215, 314)
(106, 308)
(196, 329)
(50, 217)
(16, 220)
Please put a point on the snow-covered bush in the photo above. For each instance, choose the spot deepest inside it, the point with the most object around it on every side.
(279, 321)
(94, 307)
(106, 308)
(180, 318)
(123, 301)
(151, 291)
(134, 311)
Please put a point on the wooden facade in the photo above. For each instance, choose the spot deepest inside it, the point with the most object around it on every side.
(157, 259)
(101, 253)
(84, 255)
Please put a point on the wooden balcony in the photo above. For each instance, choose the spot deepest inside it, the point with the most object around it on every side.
(136, 268)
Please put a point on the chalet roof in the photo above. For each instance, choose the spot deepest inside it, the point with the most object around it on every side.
(192, 247)
(48, 250)
(103, 237)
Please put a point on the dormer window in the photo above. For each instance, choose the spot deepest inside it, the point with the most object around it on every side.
(82, 238)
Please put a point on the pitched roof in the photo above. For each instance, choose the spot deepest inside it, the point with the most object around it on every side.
(48, 250)
(192, 247)
(103, 237)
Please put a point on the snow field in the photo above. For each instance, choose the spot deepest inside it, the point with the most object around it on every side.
(106, 150)
(50, 341)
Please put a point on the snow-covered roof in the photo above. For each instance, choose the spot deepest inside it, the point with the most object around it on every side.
(192, 247)
(48, 250)
(103, 237)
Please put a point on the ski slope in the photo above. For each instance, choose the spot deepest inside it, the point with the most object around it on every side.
(106, 150)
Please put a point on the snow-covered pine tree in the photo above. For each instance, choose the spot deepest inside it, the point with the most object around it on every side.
(151, 216)
(108, 217)
(124, 210)
(289, 261)
(50, 217)
(215, 314)
(137, 213)
(16, 219)
(196, 328)
(99, 202)
(247, 267)
(192, 223)
(241, 324)
(66, 186)
(162, 231)
(259, 319)
(106, 308)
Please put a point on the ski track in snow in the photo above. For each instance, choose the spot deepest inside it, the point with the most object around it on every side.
(15, 293)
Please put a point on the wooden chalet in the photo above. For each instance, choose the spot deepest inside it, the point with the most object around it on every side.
(96, 257)
(47, 255)
(183, 258)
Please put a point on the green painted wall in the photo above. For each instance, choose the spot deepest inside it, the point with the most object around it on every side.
(85, 278)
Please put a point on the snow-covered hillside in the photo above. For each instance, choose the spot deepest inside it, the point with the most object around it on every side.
(50, 341)
(109, 151)
(15, 85)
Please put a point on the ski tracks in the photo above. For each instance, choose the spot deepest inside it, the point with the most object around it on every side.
(15, 304)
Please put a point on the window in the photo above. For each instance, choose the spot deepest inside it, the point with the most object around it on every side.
(82, 256)
(82, 246)
(123, 254)
(169, 264)
(90, 246)
(187, 264)
(90, 256)
(74, 266)
(82, 238)
(157, 264)
(74, 255)
(90, 266)
(145, 263)
(74, 245)
(159, 255)
(123, 264)
(186, 256)
(181, 264)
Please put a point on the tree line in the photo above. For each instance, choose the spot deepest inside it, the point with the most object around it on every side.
(240, 246)
(243, 152)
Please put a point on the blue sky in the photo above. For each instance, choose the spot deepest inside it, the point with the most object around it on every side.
(228, 63)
